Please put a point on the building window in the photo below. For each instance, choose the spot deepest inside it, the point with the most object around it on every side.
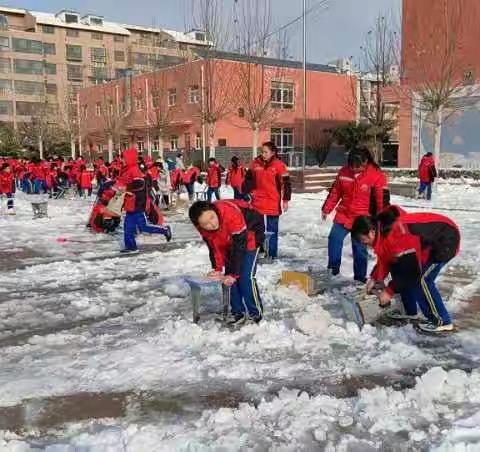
(172, 97)
(97, 36)
(156, 145)
(198, 141)
(29, 108)
(119, 55)
(241, 112)
(138, 103)
(74, 72)
(71, 18)
(48, 48)
(72, 33)
(4, 42)
(28, 67)
(85, 111)
(74, 52)
(98, 21)
(100, 73)
(222, 142)
(174, 142)
(98, 109)
(194, 95)
(48, 29)
(50, 69)
(118, 38)
(120, 73)
(281, 95)
(6, 107)
(283, 138)
(27, 46)
(140, 145)
(98, 54)
(3, 22)
(29, 88)
(51, 88)
(123, 107)
(200, 36)
(188, 143)
(5, 65)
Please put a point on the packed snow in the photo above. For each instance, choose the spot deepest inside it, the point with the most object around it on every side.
(99, 352)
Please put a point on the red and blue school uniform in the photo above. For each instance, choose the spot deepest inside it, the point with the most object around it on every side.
(236, 178)
(266, 184)
(414, 248)
(7, 186)
(234, 249)
(353, 195)
(136, 202)
(427, 173)
(214, 181)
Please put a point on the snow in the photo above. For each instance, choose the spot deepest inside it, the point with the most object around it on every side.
(78, 319)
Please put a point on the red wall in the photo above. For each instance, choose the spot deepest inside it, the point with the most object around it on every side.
(330, 100)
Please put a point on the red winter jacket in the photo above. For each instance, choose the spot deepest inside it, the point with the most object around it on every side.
(241, 228)
(176, 178)
(426, 170)
(190, 175)
(85, 180)
(406, 242)
(38, 171)
(214, 175)
(7, 183)
(268, 183)
(356, 194)
(236, 177)
(51, 178)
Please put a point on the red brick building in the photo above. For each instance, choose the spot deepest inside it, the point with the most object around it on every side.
(129, 110)
(438, 36)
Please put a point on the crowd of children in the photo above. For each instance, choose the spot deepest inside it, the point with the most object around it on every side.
(411, 248)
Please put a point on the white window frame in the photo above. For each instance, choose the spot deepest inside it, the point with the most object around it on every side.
(98, 109)
(198, 141)
(174, 142)
(278, 135)
(282, 95)
(172, 97)
(140, 145)
(194, 94)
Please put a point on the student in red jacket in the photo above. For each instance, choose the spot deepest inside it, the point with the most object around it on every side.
(234, 232)
(189, 177)
(427, 173)
(236, 177)
(7, 186)
(136, 203)
(267, 187)
(85, 181)
(38, 176)
(51, 179)
(413, 248)
(214, 179)
(359, 189)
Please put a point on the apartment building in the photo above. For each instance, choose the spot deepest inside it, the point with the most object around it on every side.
(46, 58)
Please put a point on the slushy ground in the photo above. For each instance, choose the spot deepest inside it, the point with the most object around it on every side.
(98, 351)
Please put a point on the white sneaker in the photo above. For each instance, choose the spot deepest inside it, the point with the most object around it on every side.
(429, 327)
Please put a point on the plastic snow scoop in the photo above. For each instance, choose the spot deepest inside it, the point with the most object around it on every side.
(364, 308)
(196, 287)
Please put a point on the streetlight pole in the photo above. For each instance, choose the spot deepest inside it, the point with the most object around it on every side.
(304, 148)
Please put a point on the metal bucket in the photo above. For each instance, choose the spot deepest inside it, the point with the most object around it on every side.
(40, 209)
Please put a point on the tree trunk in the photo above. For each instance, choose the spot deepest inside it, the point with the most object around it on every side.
(110, 149)
(160, 147)
(40, 147)
(72, 148)
(149, 145)
(211, 137)
(255, 142)
(437, 141)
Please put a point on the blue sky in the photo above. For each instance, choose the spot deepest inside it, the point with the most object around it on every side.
(333, 32)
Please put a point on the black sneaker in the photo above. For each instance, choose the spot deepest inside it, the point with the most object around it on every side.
(168, 233)
(238, 320)
(257, 319)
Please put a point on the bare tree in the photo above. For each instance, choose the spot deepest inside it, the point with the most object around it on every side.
(113, 116)
(256, 41)
(377, 66)
(437, 81)
(320, 137)
(217, 76)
